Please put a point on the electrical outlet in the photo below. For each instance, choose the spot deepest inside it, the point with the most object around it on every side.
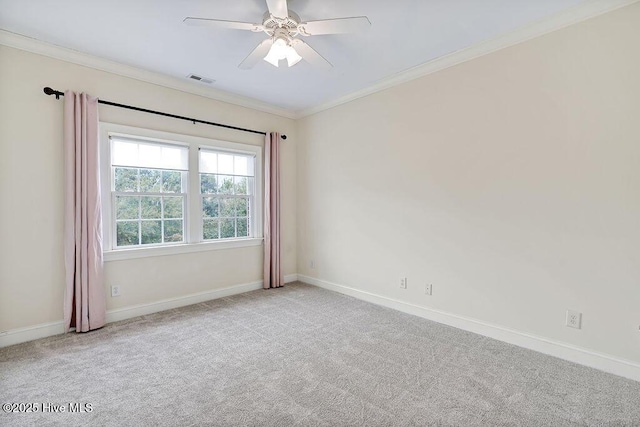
(115, 291)
(312, 264)
(428, 289)
(574, 319)
(403, 282)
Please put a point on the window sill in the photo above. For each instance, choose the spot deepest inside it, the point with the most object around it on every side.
(124, 254)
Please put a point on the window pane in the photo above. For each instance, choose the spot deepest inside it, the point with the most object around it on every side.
(127, 207)
(227, 207)
(225, 184)
(251, 171)
(208, 184)
(243, 230)
(151, 232)
(240, 185)
(225, 164)
(126, 179)
(149, 154)
(241, 207)
(149, 181)
(210, 207)
(172, 207)
(227, 228)
(171, 182)
(124, 153)
(210, 229)
(173, 230)
(127, 152)
(173, 157)
(240, 165)
(208, 162)
(151, 207)
(127, 233)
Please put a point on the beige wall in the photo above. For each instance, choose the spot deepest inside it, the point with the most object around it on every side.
(31, 184)
(510, 182)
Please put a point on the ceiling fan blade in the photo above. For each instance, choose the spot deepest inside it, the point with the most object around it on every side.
(258, 53)
(310, 55)
(278, 8)
(218, 23)
(335, 26)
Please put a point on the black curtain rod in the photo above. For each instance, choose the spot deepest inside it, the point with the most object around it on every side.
(58, 94)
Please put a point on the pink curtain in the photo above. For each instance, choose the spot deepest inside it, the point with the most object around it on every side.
(84, 297)
(273, 274)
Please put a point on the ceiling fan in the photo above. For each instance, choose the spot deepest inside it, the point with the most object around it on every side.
(283, 27)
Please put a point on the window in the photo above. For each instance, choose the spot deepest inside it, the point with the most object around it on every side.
(165, 193)
(148, 191)
(227, 183)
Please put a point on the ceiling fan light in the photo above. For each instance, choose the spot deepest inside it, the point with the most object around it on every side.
(293, 57)
(272, 59)
(282, 49)
(278, 51)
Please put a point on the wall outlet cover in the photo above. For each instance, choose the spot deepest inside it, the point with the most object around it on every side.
(574, 319)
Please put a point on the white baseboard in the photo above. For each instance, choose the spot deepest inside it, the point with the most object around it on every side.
(167, 304)
(582, 356)
(290, 278)
(30, 333)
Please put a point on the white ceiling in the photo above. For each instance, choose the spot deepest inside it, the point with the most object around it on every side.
(149, 34)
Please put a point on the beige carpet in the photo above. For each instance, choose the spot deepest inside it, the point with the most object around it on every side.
(302, 356)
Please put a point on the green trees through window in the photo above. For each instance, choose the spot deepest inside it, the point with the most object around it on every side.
(149, 206)
(226, 188)
(226, 206)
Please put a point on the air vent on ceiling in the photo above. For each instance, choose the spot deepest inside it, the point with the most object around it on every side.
(200, 79)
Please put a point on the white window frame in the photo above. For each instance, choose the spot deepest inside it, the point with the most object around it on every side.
(193, 210)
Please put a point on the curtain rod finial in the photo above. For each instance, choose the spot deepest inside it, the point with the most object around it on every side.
(49, 91)
(283, 136)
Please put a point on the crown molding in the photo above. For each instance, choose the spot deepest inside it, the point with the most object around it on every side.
(39, 47)
(539, 28)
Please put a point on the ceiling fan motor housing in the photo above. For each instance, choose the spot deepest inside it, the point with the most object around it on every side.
(274, 26)
(284, 34)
